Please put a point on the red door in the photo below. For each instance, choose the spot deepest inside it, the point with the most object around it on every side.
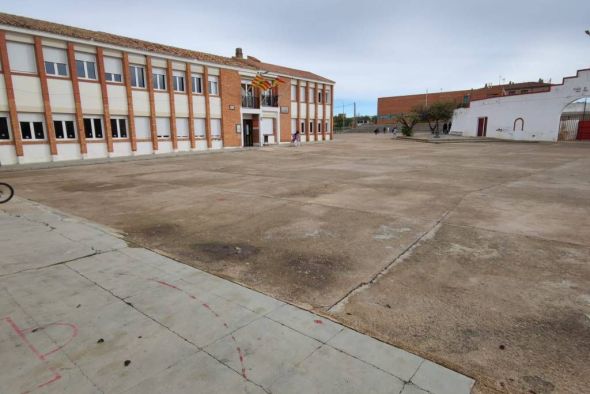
(583, 130)
(482, 126)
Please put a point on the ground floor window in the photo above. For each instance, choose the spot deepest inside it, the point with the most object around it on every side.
(32, 130)
(216, 128)
(64, 129)
(163, 127)
(302, 127)
(4, 131)
(119, 127)
(93, 128)
(199, 127)
(311, 127)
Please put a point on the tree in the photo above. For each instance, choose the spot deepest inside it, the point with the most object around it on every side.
(437, 112)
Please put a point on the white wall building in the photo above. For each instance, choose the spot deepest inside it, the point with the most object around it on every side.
(527, 117)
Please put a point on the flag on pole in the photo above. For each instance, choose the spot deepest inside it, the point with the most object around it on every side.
(261, 83)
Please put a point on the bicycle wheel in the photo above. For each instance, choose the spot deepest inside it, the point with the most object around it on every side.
(6, 192)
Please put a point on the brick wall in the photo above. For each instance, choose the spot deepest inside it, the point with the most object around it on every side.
(230, 81)
(284, 92)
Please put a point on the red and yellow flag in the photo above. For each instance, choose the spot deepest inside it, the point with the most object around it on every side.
(277, 81)
(261, 83)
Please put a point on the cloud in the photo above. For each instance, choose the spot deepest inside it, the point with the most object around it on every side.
(371, 48)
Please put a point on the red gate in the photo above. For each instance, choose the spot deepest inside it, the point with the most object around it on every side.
(583, 130)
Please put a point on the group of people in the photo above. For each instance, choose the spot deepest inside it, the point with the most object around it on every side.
(386, 129)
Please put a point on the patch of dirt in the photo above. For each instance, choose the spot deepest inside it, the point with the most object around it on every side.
(80, 186)
(215, 251)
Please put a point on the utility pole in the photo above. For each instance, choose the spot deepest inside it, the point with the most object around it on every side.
(354, 116)
(426, 97)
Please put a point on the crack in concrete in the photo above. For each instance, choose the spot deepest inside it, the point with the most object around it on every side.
(165, 326)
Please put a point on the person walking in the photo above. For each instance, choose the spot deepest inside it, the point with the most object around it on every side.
(296, 139)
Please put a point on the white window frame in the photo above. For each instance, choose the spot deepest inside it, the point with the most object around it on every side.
(178, 82)
(213, 85)
(32, 128)
(216, 128)
(320, 96)
(302, 94)
(311, 94)
(109, 74)
(328, 96)
(20, 53)
(93, 130)
(182, 127)
(63, 121)
(194, 86)
(134, 73)
(85, 64)
(167, 122)
(159, 79)
(142, 127)
(293, 92)
(118, 121)
(200, 122)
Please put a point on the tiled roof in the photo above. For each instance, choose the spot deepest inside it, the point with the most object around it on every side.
(112, 39)
(253, 62)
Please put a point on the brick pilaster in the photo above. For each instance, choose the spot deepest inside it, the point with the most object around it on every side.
(45, 95)
(150, 86)
(189, 96)
(77, 102)
(207, 106)
(307, 85)
(324, 115)
(105, 98)
(315, 103)
(13, 115)
(298, 96)
(129, 91)
(332, 112)
(172, 104)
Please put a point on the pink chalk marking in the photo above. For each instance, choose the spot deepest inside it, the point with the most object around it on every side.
(217, 316)
(42, 356)
(318, 322)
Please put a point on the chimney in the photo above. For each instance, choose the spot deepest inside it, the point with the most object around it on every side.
(239, 53)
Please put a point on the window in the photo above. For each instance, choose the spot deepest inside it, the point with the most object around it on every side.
(64, 129)
(216, 128)
(142, 127)
(319, 127)
(199, 127)
(137, 74)
(328, 96)
(293, 92)
(93, 127)
(113, 69)
(311, 94)
(119, 127)
(32, 130)
(86, 65)
(327, 129)
(163, 127)
(213, 85)
(302, 94)
(320, 96)
(311, 127)
(4, 131)
(56, 61)
(293, 126)
(197, 83)
(159, 78)
(178, 81)
(22, 57)
(182, 127)
(302, 128)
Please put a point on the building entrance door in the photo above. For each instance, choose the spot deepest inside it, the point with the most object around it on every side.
(583, 130)
(482, 126)
(248, 132)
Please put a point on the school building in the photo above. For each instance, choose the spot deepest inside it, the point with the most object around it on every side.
(68, 93)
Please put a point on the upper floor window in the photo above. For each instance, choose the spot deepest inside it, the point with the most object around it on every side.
(311, 94)
(93, 127)
(4, 130)
(86, 65)
(197, 80)
(119, 127)
(56, 61)
(64, 129)
(302, 94)
(113, 69)
(159, 78)
(137, 74)
(178, 81)
(213, 85)
(320, 96)
(22, 57)
(328, 96)
(293, 92)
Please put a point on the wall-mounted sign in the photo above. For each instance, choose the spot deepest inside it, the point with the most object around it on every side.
(232, 107)
(238, 128)
(284, 110)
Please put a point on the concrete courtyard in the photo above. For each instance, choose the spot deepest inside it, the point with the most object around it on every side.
(472, 255)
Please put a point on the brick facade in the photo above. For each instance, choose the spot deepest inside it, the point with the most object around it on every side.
(284, 93)
(229, 82)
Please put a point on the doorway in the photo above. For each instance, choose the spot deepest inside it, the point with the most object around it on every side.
(574, 124)
(482, 126)
(248, 132)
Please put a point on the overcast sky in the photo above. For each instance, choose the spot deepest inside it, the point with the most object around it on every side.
(371, 48)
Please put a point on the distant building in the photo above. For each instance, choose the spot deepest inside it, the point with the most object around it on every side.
(560, 113)
(388, 107)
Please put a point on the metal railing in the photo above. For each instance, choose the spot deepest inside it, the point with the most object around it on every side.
(250, 102)
(270, 101)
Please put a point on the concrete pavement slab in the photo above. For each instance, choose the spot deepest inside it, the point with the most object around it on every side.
(305, 322)
(328, 370)
(440, 380)
(388, 358)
